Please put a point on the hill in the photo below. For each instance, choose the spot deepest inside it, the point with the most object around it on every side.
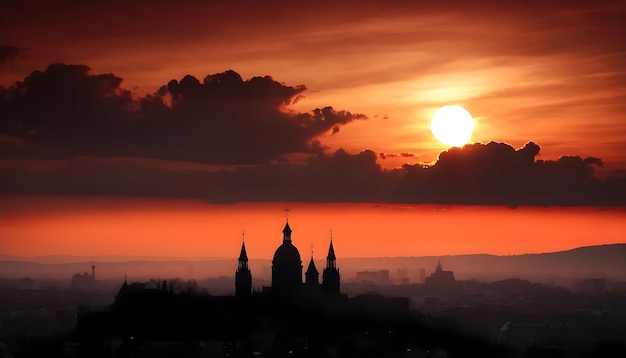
(592, 261)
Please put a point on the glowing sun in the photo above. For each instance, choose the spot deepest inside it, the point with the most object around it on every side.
(452, 125)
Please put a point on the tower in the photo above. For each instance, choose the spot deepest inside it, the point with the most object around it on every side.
(440, 279)
(311, 274)
(286, 266)
(93, 272)
(330, 277)
(243, 276)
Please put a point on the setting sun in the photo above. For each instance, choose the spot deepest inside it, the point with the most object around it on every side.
(452, 125)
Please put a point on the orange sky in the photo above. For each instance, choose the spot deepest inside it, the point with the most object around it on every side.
(548, 73)
(551, 73)
(183, 228)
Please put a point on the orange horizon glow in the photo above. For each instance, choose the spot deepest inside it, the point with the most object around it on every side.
(93, 226)
(309, 101)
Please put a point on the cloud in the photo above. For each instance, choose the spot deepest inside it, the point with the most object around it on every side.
(485, 174)
(393, 155)
(497, 174)
(65, 111)
(9, 53)
(326, 177)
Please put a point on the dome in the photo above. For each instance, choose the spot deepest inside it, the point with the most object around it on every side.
(287, 254)
(286, 265)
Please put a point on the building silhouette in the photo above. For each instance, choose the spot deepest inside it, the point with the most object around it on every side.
(81, 281)
(243, 276)
(440, 279)
(330, 277)
(287, 271)
(291, 319)
(311, 274)
(286, 266)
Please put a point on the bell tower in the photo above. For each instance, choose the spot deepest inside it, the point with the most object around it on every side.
(243, 276)
(330, 277)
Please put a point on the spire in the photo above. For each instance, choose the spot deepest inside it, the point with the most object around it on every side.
(287, 232)
(243, 277)
(331, 249)
(311, 274)
(330, 277)
(243, 255)
(122, 289)
(331, 258)
(124, 285)
(438, 269)
(287, 229)
(311, 269)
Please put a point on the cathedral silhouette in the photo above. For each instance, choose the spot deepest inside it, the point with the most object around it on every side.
(287, 271)
(292, 318)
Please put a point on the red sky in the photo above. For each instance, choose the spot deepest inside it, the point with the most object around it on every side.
(190, 228)
(550, 73)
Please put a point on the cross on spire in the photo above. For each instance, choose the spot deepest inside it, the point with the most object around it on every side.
(287, 213)
(243, 235)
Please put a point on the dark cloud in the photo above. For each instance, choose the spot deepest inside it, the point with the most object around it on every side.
(481, 160)
(337, 177)
(392, 155)
(9, 53)
(497, 174)
(486, 174)
(64, 112)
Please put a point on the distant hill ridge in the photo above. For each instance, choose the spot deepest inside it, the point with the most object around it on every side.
(590, 261)
(59, 259)
(63, 259)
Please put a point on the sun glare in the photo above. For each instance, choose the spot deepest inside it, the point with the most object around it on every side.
(452, 125)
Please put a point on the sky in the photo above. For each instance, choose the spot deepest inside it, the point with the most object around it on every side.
(161, 104)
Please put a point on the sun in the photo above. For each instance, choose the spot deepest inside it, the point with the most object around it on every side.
(452, 125)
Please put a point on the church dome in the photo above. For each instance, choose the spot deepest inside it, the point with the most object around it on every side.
(286, 265)
(287, 254)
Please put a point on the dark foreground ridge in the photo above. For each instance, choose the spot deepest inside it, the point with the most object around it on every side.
(148, 322)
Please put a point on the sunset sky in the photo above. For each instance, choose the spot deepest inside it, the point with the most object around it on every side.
(128, 127)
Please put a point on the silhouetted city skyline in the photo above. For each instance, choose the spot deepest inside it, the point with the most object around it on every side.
(457, 169)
